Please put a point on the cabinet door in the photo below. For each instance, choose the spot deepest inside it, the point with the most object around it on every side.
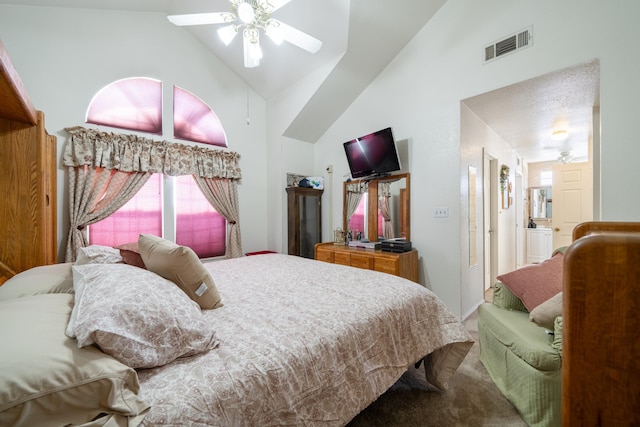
(309, 214)
(538, 245)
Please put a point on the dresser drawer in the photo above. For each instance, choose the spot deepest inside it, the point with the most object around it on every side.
(386, 265)
(326, 256)
(343, 258)
(362, 261)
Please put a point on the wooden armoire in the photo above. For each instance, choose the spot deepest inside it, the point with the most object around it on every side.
(28, 216)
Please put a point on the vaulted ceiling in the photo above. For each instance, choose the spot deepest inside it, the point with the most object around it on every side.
(359, 41)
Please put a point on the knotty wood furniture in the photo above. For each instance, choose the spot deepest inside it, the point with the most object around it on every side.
(28, 216)
(399, 264)
(601, 307)
(304, 216)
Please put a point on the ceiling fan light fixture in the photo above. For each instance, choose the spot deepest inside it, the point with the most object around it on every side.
(252, 50)
(227, 34)
(274, 31)
(246, 13)
(251, 16)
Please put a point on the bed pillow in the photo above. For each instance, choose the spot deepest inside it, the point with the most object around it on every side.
(130, 253)
(545, 314)
(46, 380)
(136, 316)
(97, 254)
(46, 279)
(181, 265)
(535, 284)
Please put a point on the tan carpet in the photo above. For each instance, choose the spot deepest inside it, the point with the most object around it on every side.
(472, 399)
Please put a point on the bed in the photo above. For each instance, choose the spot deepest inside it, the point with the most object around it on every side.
(291, 341)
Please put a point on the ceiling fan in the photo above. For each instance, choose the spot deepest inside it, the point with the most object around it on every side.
(251, 16)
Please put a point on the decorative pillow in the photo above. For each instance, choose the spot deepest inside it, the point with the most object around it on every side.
(46, 380)
(181, 265)
(130, 253)
(136, 316)
(46, 279)
(545, 314)
(97, 254)
(534, 284)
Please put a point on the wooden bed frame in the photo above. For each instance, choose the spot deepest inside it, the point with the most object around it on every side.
(601, 326)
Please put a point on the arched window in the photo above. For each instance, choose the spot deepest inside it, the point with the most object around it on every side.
(169, 207)
(132, 104)
(193, 120)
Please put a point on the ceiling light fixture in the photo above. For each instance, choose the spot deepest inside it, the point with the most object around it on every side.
(560, 135)
(251, 16)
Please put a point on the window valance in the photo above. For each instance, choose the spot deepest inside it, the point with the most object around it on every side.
(132, 153)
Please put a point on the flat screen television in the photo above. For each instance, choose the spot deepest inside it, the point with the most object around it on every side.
(372, 155)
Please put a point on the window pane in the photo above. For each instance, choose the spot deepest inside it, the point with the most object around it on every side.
(198, 225)
(141, 214)
(193, 120)
(133, 103)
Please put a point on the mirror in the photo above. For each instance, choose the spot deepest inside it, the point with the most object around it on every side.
(386, 218)
(540, 202)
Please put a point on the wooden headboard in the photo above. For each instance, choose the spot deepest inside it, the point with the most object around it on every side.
(28, 169)
(601, 326)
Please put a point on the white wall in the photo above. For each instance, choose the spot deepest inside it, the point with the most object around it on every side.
(64, 56)
(420, 91)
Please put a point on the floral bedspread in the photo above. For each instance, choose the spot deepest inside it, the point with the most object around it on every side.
(303, 342)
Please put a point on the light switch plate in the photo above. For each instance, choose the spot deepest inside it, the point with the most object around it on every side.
(441, 212)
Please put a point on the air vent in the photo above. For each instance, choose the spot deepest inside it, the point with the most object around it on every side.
(509, 44)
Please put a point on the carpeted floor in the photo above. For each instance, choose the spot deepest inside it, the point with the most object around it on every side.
(472, 399)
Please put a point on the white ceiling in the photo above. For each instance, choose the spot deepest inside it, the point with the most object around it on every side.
(527, 113)
(360, 41)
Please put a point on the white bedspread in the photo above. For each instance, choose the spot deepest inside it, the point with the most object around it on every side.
(303, 342)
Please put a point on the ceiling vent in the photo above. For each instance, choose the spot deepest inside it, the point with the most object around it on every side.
(509, 44)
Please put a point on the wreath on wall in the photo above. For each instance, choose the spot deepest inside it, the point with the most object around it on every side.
(504, 176)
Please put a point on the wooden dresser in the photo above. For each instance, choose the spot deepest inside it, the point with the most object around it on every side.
(399, 264)
(28, 169)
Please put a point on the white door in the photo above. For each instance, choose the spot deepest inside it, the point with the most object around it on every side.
(572, 199)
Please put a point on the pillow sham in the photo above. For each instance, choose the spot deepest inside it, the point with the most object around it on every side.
(97, 254)
(545, 314)
(136, 316)
(46, 380)
(534, 284)
(130, 253)
(181, 265)
(46, 279)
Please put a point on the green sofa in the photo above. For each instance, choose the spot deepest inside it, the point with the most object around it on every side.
(523, 359)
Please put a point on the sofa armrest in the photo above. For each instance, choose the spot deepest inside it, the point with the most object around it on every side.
(504, 298)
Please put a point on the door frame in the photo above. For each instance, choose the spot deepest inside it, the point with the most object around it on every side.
(489, 218)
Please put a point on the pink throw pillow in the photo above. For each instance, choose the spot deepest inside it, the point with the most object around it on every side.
(535, 284)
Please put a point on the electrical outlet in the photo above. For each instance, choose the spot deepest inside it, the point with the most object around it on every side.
(441, 212)
(330, 169)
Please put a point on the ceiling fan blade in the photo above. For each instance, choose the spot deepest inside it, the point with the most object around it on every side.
(300, 39)
(197, 19)
(277, 4)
